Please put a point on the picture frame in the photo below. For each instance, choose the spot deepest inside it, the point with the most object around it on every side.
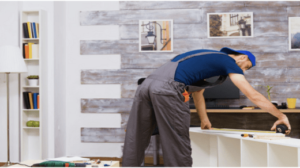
(156, 35)
(230, 25)
(294, 33)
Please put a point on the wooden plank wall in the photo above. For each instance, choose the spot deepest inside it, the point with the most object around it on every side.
(276, 66)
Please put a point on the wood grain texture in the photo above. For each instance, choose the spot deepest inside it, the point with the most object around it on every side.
(145, 60)
(293, 11)
(271, 29)
(277, 60)
(262, 75)
(103, 135)
(223, 4)
(98, 47)
(106, 105)
(181, 31)
(124, 119)
(99, 76)
(257, 44)
(186, 16)
(150, 5)
(279, 90)
(260, 13)
(272, 3)
(199, 31)
(128, 89)
(145, 5)
(248, 121)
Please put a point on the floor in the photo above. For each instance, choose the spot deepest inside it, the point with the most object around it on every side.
(148, 161)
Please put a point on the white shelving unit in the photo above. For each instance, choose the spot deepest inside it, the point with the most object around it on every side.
(31, 137)
(212, 149)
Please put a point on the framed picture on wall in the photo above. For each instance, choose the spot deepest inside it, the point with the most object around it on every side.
(156, 35)
(230, 25)
(294, 33)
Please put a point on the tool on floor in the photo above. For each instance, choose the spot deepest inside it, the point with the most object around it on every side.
(58, 164)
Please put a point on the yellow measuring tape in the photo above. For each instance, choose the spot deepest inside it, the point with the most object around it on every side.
(240, 130)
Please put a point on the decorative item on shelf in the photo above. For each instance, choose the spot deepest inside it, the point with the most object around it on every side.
(33, 80)
(32, 123)
(291, 103)
(268, 91)
(283, 105)
(275, 103)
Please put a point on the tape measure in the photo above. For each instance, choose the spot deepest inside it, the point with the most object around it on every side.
(281, 128)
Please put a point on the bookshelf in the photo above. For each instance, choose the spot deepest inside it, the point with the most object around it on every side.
(31, 137)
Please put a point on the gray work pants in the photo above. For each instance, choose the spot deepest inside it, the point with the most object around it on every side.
(159, 101)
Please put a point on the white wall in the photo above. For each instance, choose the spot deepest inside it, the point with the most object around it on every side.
(60, 78)
(9, 35)
(75, 91)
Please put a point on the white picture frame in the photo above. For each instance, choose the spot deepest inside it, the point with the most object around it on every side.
(157, 46)
(231, 30)
(294, 26)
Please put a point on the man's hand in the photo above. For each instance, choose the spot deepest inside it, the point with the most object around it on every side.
(205, 124)
(283, 120)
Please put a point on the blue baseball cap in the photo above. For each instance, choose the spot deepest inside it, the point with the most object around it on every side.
(248, 53)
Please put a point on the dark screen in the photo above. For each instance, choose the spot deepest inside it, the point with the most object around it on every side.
(226, 90)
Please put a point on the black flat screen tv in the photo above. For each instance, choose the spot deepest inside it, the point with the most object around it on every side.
(226, 90)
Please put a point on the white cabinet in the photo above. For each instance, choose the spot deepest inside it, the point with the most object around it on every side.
(211, 149)
(31, 137)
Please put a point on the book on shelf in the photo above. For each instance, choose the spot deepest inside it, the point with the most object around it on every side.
(26, 100)
(37, 29)
(38, 101)
(31, 100)
(35, 51)
(25, 30)
(34, 30)
(31, 30)
(24, 52)
(35, 100)
(30, 51)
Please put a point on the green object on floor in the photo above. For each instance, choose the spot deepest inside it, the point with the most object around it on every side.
(54, 164)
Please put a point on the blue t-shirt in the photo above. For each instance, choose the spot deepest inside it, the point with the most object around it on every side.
(205, 66)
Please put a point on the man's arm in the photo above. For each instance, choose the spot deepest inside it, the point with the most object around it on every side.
(258, 99)
(201, 109)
